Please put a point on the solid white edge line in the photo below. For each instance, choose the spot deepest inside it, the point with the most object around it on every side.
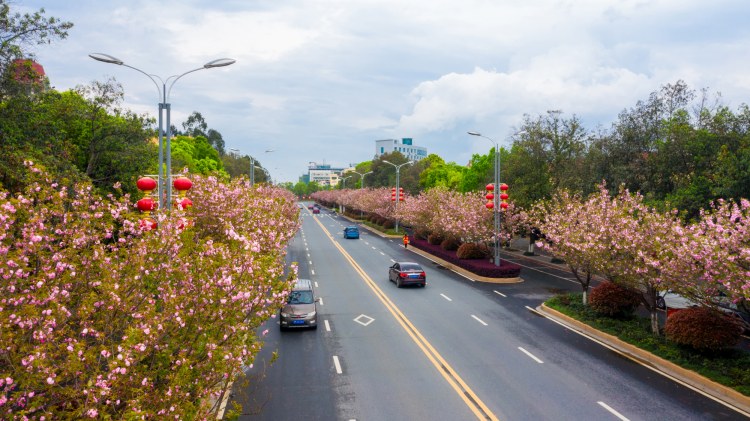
(328, 327)
(531, 355)
(499, 293)
(637, 361)
(337, 364)
(445, 296)
(479, 320)
(615, 413)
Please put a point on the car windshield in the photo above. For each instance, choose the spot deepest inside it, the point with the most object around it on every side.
(410, 267)
(301, 297)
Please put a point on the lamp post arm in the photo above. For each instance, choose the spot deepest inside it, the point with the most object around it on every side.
(176, 78)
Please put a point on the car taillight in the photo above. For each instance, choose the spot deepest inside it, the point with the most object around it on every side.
(422, 274)
(402, 275)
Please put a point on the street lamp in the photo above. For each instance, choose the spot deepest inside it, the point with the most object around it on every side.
(362, 177)
(252, 168)
(398, 169)
(496, 183)
(343, 186)
(252, 165)
(163, 104)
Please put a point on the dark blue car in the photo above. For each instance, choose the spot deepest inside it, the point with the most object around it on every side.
(351, 232)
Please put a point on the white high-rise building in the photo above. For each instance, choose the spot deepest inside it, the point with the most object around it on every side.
(405, 146)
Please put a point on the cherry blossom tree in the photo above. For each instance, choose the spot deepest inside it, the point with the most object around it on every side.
(102, 319)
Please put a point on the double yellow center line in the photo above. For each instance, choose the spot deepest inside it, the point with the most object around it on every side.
(463, 390)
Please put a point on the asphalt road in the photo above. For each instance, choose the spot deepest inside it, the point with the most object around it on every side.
(454, 350)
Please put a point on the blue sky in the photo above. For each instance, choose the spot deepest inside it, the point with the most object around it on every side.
(321, 80)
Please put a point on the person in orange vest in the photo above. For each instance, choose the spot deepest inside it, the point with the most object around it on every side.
(406, 241)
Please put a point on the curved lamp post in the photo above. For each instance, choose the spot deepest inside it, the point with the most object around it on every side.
(362, 184)
(398, 170)
(343, 186)
(164, 93)
(496, 183)
(362, 177)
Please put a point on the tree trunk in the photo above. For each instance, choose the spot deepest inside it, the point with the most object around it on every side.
(654, 322)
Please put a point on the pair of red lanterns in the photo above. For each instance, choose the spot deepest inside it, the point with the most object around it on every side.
(503, 196)
(147, 185)
(400, 194)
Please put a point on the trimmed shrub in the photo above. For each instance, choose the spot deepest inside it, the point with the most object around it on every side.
(473, 251)
(435, 239)
(703, 328)
(481, 267)
(610, 299)
(388, 224)
(450, 244)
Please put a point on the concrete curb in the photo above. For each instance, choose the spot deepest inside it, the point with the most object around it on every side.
(694, 380)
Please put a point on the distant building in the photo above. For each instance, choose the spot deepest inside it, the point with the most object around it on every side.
(405, 146)
(323, 174)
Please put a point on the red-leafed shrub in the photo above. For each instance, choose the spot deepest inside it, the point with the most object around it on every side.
(450, 244)
(435, 239)
(702, 328)
(613, 300)
(473, 251)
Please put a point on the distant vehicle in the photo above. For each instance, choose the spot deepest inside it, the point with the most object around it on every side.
(301, 308)
(407, 273)
(671, 300)
(316, 210)
(310, 206)
(351, 232)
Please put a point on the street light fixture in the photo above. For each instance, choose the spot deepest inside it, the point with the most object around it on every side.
(163, 104)
(398, 169)
(496, 183)
(362, 177)
(343, 186)
(252, 165)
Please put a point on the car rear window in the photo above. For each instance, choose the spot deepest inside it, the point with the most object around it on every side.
(410, 266)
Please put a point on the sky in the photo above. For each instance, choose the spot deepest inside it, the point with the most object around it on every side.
(320, 80)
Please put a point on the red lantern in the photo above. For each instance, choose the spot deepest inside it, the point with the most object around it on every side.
(185, 203)
(182, 184)
(504, 205)
(504, 187)
(146, 204)
(148, 224)
(490, 187)
(489, 196)
(489, 205)
(146, 184)
(504, 196)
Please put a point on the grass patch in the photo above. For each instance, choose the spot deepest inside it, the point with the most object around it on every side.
(730, 367)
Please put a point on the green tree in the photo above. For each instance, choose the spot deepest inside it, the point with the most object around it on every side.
(19, 33)
(435, 172)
